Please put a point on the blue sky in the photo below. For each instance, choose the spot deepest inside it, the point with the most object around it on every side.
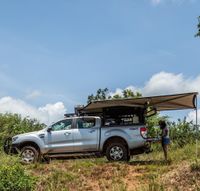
(61, 51)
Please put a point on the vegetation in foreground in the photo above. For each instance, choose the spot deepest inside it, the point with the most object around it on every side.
(146, 172)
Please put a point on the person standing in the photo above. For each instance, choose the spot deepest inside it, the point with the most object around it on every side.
(165, 140)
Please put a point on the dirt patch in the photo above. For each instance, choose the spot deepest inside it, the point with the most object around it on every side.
(182, 178)
(90, 175)
(133, 178)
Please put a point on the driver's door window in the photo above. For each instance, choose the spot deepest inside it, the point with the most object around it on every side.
(62, 125)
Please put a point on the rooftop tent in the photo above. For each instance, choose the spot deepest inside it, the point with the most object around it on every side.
(161, 103)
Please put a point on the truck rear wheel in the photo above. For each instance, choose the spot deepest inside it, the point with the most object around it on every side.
(29, 155)
(117, 152)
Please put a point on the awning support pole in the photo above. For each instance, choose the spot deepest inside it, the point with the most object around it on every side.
(197, 129)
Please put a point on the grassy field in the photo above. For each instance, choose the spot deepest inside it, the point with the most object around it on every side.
(143, 172)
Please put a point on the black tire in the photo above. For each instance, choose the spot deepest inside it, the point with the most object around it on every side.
(7, 145)
(29, 155)
(117, 152)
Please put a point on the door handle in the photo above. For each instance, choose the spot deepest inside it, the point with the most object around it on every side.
(67, 133)
(93, 130)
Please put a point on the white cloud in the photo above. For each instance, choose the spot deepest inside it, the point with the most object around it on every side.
(46, 114)
(34, 94)
(165, 83)
(53, 111)
(168, 83)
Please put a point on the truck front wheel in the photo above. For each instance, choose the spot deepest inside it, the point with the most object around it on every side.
(29, 155)
(117, 152)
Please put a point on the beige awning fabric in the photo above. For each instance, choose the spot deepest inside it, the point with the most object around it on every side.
(161, 103)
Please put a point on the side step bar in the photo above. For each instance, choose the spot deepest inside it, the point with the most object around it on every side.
(73, 155)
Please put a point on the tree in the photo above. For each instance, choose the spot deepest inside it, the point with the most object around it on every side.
(101, 94)
(128, 93)
(198, 26)
(13, 124)
(104, 94)
(117, 96)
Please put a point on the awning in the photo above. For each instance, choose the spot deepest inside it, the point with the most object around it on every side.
(161, 103)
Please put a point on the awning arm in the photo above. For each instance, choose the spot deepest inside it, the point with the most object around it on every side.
(197, 128)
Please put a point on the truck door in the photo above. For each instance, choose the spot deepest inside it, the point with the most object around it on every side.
(86, 134)
(60, 138)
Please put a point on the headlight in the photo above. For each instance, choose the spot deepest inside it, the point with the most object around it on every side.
(14, 139)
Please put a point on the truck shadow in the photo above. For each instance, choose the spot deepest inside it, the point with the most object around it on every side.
(150, 162)
(72, 158)
(93, 157)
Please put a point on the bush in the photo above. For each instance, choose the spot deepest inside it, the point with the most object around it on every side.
(12, 124)
(183, 132)
(13, 176)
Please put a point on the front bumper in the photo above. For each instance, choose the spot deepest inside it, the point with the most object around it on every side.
(10, 148)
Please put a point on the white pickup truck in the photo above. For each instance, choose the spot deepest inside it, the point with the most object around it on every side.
(81, 135)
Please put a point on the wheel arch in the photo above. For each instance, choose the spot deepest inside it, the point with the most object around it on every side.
(113, 139)
(29, 143)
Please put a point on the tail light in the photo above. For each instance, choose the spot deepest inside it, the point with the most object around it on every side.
(143, 132)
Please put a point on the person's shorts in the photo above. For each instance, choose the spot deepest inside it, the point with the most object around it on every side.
(165, 141)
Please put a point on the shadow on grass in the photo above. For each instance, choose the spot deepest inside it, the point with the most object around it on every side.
(150, 162)
(93, 157)
(49, 159)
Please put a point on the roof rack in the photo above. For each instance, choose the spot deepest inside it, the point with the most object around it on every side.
(70, 115)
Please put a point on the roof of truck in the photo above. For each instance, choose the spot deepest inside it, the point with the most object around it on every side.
(161, 102)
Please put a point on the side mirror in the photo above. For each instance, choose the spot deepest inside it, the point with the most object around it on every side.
(49, 129)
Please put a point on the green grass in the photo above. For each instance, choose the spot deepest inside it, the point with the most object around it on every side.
(147, 172)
